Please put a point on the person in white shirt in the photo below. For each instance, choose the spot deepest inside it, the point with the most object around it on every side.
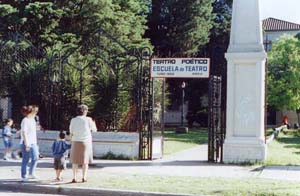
(81, 149)
(28, 143)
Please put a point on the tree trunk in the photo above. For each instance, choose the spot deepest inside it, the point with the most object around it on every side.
(298, 115)
(281, 117)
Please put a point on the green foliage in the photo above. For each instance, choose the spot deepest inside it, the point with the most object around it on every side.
(41, 20)
(22, 93)
(6, 10)
(69, 30)
(112, 156)
(222, 17)
(7, 16)
(183, 28)
(159, 95)
(284, 74)
(180, 28)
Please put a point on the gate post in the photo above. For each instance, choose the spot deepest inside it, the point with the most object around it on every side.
(245, 86)
(216, 129)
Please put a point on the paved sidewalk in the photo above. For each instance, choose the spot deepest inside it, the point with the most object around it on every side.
(186, 163)
(199, 153)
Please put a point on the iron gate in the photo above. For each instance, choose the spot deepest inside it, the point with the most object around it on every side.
(216, 120)
(16, 55)
(49, 86)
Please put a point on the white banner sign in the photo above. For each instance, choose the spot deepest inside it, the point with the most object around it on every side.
(180, 67)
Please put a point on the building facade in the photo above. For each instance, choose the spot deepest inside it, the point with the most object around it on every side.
(275, 28)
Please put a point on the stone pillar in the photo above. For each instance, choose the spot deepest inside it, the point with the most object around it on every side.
(246, 58)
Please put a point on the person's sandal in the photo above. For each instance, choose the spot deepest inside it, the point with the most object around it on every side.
(84, 180)
(73, 181)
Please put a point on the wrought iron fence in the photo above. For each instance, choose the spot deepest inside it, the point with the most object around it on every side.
(57, 80)
(216, 120)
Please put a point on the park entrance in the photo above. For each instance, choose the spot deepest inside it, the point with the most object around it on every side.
(113, 79)
(194, 68)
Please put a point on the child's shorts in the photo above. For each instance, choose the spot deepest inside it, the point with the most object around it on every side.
(7, 142)
(60, 163)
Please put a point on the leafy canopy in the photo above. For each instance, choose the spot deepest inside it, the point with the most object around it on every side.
(284, 74)
(70, 28)
(180, 28)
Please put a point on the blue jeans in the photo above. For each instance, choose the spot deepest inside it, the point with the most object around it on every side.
(32, 154)
(7, 142)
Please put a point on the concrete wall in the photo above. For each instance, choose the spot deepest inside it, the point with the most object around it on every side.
(121, 143)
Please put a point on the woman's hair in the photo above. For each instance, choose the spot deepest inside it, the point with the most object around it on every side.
(6, 121)
(81, 109)
(62, 135)
(27, 110)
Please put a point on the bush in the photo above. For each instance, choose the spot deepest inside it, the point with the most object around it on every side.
(112, 156)
(199, 117)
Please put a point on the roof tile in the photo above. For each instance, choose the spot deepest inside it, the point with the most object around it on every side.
(273, 24)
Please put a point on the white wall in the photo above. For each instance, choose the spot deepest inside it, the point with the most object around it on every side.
(273, 36)
(120, 143)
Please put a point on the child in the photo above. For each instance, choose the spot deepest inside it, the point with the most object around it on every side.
(7, 134)
(59, 150)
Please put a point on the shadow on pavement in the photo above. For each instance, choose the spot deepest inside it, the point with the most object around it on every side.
(41, 164)
(47, 163)
(277, 167)
(154, 164)
(19, 181)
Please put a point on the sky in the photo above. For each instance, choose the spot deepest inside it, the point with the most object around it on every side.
(282, 9)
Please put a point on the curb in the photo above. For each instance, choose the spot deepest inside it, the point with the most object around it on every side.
(75, 191)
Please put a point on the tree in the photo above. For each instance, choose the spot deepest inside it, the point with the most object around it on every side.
(284, 74)
(167, 25)
(222, 17)
(215, 50)
(71, 27)
(180, 28)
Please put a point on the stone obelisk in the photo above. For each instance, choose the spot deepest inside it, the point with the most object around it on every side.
(246, 57)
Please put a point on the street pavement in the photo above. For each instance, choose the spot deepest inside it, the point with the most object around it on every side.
(10, 193)
(190, 162)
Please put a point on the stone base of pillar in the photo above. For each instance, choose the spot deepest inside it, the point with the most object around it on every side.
(244, 149)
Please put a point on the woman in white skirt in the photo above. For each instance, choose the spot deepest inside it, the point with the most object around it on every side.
(81, 150)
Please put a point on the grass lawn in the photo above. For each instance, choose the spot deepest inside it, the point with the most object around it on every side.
(285, 150)
(194, 185)
(177, 142)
